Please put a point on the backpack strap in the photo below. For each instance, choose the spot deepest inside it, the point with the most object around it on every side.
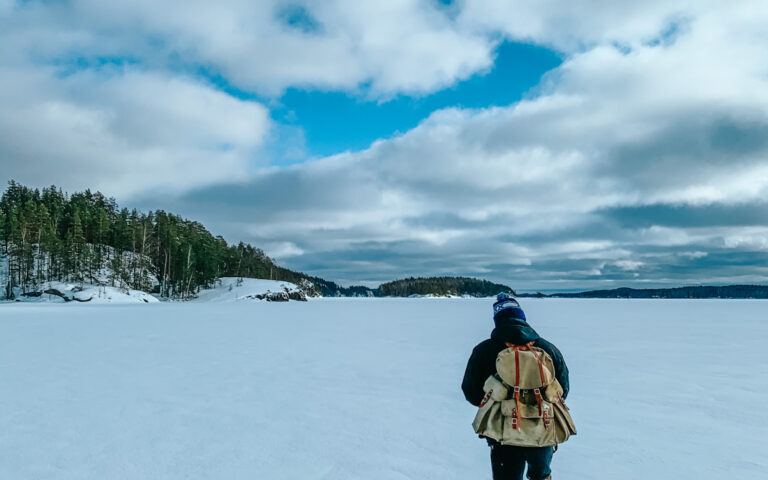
(486, 398)
(515, 422)
(547, 423)
(541, 364)
(516, 411)
(537, 392)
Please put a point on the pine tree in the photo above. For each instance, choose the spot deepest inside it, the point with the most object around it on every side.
(77, 246)
(3, 238)
(19, 237)
(3, 252)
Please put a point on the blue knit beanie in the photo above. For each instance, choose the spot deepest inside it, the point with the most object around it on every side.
(504, 302)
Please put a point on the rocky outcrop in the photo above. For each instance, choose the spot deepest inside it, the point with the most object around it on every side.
(53, 291)
(283, 296)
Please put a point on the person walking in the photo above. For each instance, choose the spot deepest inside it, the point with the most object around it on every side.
(512, 333)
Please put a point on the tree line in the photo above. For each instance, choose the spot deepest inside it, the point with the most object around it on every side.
(85, 237)
(47, 235)
(701, 291)
(441, 286)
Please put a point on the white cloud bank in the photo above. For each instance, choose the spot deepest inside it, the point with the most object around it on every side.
(680, 122)
(128, 133)
(105, 95)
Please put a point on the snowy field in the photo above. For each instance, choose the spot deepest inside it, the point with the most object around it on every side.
(369, 389)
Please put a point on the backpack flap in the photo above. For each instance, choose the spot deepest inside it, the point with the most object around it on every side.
(525, 366)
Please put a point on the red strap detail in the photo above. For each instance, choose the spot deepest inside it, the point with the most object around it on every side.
(541, 366)
(515, 425)
(486, 398)
(517, 403)
(517, 366)
(537, 392)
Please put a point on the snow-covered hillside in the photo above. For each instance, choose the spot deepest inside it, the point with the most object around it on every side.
(370, 389)
(115, 273)
(227, 289)
(100, 291)
(232, 289)
(63, 292)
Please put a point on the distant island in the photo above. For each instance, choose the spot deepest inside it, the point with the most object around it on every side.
(728, 291)
(444, 286)
(441, 286)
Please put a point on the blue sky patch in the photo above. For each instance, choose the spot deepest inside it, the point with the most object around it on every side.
(73, 65)
(336, 121)
(333, 122)
(298, 17)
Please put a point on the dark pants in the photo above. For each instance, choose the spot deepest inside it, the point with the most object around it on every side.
(508, 462)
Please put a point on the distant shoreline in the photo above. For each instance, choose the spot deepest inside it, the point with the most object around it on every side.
(759, 292)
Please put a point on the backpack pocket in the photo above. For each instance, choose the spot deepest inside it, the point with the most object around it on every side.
(489, 421)
(498, 391)
(564, 426)
(535, 427)
(553, 392)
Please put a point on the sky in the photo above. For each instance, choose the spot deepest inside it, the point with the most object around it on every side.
(547, 145)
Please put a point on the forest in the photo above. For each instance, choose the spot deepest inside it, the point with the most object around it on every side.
(85, 237)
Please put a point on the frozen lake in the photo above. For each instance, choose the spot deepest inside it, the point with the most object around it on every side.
(370, 389)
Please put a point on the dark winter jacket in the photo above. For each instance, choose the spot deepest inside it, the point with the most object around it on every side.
(482, 362)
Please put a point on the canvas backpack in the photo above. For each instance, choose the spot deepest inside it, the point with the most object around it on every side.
(523, 403)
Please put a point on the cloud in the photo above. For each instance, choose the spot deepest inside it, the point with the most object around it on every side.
(658, 108)
(100, 94)
(577, 25)
(124, 132)
(687, 216)
(268, 45)
(544, 191)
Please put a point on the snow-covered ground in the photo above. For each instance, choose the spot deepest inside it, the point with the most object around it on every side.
(231, 289)
(369, 389)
